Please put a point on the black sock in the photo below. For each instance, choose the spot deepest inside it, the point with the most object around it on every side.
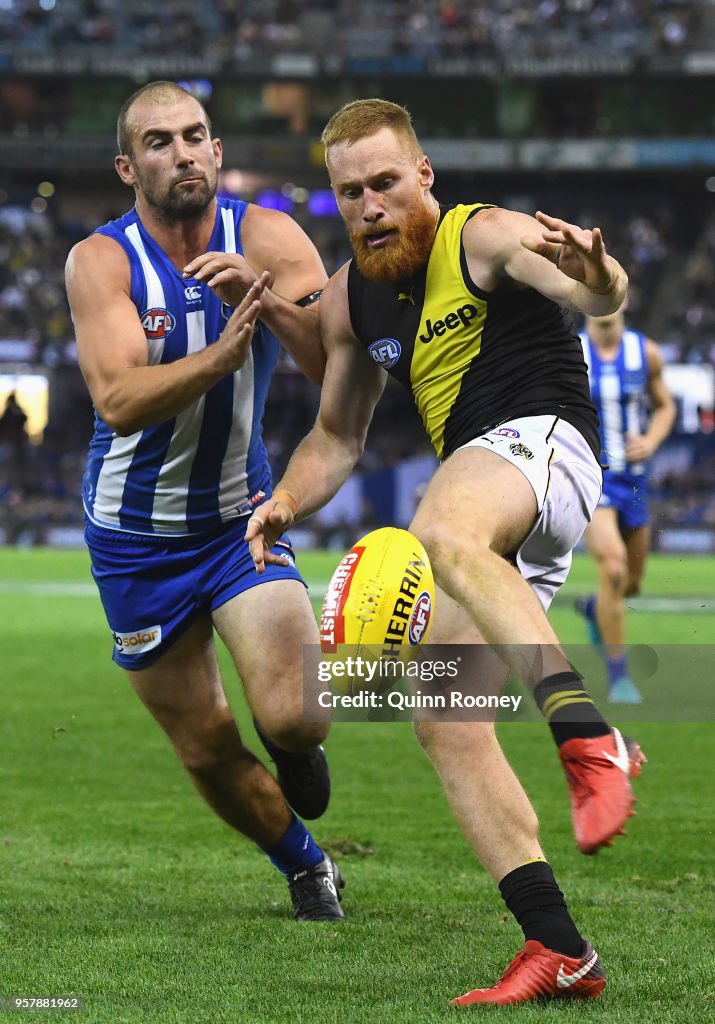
(568, 709)
(532, 895)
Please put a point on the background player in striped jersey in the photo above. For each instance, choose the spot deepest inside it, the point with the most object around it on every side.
(165, 303)
(636, 414)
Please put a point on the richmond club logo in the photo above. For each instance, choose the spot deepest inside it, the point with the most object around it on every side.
(157, 323)
(419, 620)
(522, 451)
(385, 352)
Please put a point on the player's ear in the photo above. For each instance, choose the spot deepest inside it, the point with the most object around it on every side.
(425, 173)
(124, 168)
(218, 152)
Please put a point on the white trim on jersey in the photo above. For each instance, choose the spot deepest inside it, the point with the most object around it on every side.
(613, 439)
(172, 486)
(229, 230)
(113, 477)
(234, 471)
(117, 462)
(633, 361)
(155, 298)
(632, 355)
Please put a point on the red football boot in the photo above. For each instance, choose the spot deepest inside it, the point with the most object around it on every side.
(599, 771)
(540, 973)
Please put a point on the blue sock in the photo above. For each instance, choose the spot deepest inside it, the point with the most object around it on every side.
(295, 850)
(589, 608)
(617, 668)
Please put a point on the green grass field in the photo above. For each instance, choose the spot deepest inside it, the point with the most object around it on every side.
(118, 885)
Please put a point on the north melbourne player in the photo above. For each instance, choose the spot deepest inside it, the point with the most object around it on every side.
(165, 302)
(636, 413)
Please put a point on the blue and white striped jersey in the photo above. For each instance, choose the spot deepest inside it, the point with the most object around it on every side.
(619, 389)
(200, 469)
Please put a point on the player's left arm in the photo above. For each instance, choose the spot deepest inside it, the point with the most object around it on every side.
(563, 261)
(663, 409)
(273, 241)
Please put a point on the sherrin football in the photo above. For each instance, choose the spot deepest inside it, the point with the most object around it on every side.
(381, 598)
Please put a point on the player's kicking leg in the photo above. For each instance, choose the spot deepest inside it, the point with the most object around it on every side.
(500, 825)
(479, 509)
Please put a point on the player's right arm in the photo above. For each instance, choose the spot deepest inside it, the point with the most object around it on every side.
(127, 392)
(327, 455)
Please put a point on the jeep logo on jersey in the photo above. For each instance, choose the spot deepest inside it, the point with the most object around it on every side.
(385, 352)
(464, 315)
(157, 323)
(420, 618)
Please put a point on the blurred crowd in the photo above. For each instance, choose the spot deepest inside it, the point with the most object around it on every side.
(672, 272)
(671, 267)
(692, 315)
(235, 29)
(33, 304)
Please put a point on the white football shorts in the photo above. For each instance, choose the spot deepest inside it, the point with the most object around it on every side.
(566, 479)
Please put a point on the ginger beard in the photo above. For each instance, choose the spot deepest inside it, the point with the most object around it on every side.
(404, 253)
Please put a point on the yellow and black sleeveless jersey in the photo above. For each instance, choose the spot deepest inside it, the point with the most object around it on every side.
(472, 358)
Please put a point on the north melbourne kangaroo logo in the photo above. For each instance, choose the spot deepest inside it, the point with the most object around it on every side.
(458, 317)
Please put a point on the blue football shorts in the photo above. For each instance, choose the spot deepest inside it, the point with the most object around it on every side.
(628, 495)
(152, 587)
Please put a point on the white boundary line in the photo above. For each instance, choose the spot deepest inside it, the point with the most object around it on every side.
(318, 588)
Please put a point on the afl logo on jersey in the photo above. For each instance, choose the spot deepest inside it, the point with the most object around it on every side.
(385, 352)
(157, 323)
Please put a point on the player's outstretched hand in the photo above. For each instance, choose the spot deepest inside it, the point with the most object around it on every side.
(265, 527)
(227, 274)
(236, 337)
(578, 252)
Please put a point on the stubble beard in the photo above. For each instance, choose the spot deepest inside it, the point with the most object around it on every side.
(182, 204)
(404, 255)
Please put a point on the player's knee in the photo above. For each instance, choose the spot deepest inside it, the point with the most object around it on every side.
(447, 553)
(206, 751)
(290, 732)
(614, 571)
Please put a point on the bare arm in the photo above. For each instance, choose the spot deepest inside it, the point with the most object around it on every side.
(127, 392)
(503, 243)
(327, 455)
(662, 418)
(273, 242)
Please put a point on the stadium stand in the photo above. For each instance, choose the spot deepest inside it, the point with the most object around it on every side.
(417, 28)
(602, 116)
